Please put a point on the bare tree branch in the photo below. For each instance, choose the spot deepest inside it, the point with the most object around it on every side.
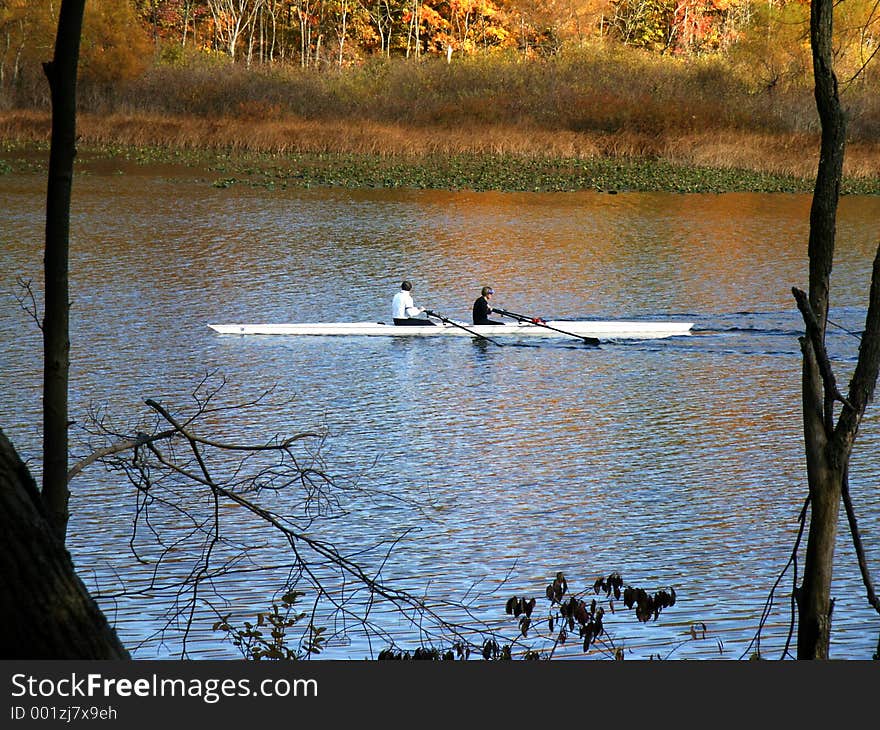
(859, 547)
(814, 332)
(27, 300)
(193, 493)
(141, 439)
(768, 604)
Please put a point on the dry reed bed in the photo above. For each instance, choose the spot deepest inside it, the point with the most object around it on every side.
(780, 154)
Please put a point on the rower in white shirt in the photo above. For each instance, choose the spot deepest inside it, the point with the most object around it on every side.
(403, 308)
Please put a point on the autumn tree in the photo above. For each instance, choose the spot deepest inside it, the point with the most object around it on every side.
(114, 45)
(232, 19)
(773, 45)
(546, 26)
(685, 27)
(172, 20)
(14, 29)
(476, 25)
(26, 35)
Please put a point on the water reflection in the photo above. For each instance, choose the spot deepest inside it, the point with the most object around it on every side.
(675, 462)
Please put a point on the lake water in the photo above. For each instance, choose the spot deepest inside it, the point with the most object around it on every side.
(675, 462)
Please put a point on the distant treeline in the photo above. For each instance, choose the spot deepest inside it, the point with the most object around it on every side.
(767, 41)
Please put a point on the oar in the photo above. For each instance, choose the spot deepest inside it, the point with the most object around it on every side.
(593, 341)
(461, 326)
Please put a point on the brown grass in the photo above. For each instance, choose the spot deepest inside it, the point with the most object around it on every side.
(595, 102)
(792, 154)
(785, 154)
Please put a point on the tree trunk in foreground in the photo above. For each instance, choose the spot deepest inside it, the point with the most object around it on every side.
(826, 460)
(45, 610)
(828, 446)
(61, 73)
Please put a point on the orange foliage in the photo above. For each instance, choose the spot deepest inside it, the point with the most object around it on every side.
(114, 44)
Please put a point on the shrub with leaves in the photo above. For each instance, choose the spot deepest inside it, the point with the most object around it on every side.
(267, 639)
(569, 615)
(572, 615)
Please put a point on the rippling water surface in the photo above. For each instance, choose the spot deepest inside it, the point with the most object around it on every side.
(675, 462)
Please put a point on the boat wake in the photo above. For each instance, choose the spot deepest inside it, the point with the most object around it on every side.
(763, 333)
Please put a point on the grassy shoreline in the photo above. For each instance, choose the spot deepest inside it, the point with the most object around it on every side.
(345, 155)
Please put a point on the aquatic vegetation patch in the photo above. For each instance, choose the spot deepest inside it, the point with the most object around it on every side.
(470, 171)
(511, 174)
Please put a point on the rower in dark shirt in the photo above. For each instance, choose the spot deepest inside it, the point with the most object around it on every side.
(482, 308)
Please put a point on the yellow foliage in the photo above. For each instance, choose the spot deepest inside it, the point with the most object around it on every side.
(27, 29)
(114, 44)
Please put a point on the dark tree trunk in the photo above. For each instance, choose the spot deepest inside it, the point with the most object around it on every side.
(826, 465)
(828, 446)
(45, 610)
(61, 73)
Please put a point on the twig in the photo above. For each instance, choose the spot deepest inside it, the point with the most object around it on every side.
(857, 544)
(815, 334)
(28, 300)
(765, 614)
